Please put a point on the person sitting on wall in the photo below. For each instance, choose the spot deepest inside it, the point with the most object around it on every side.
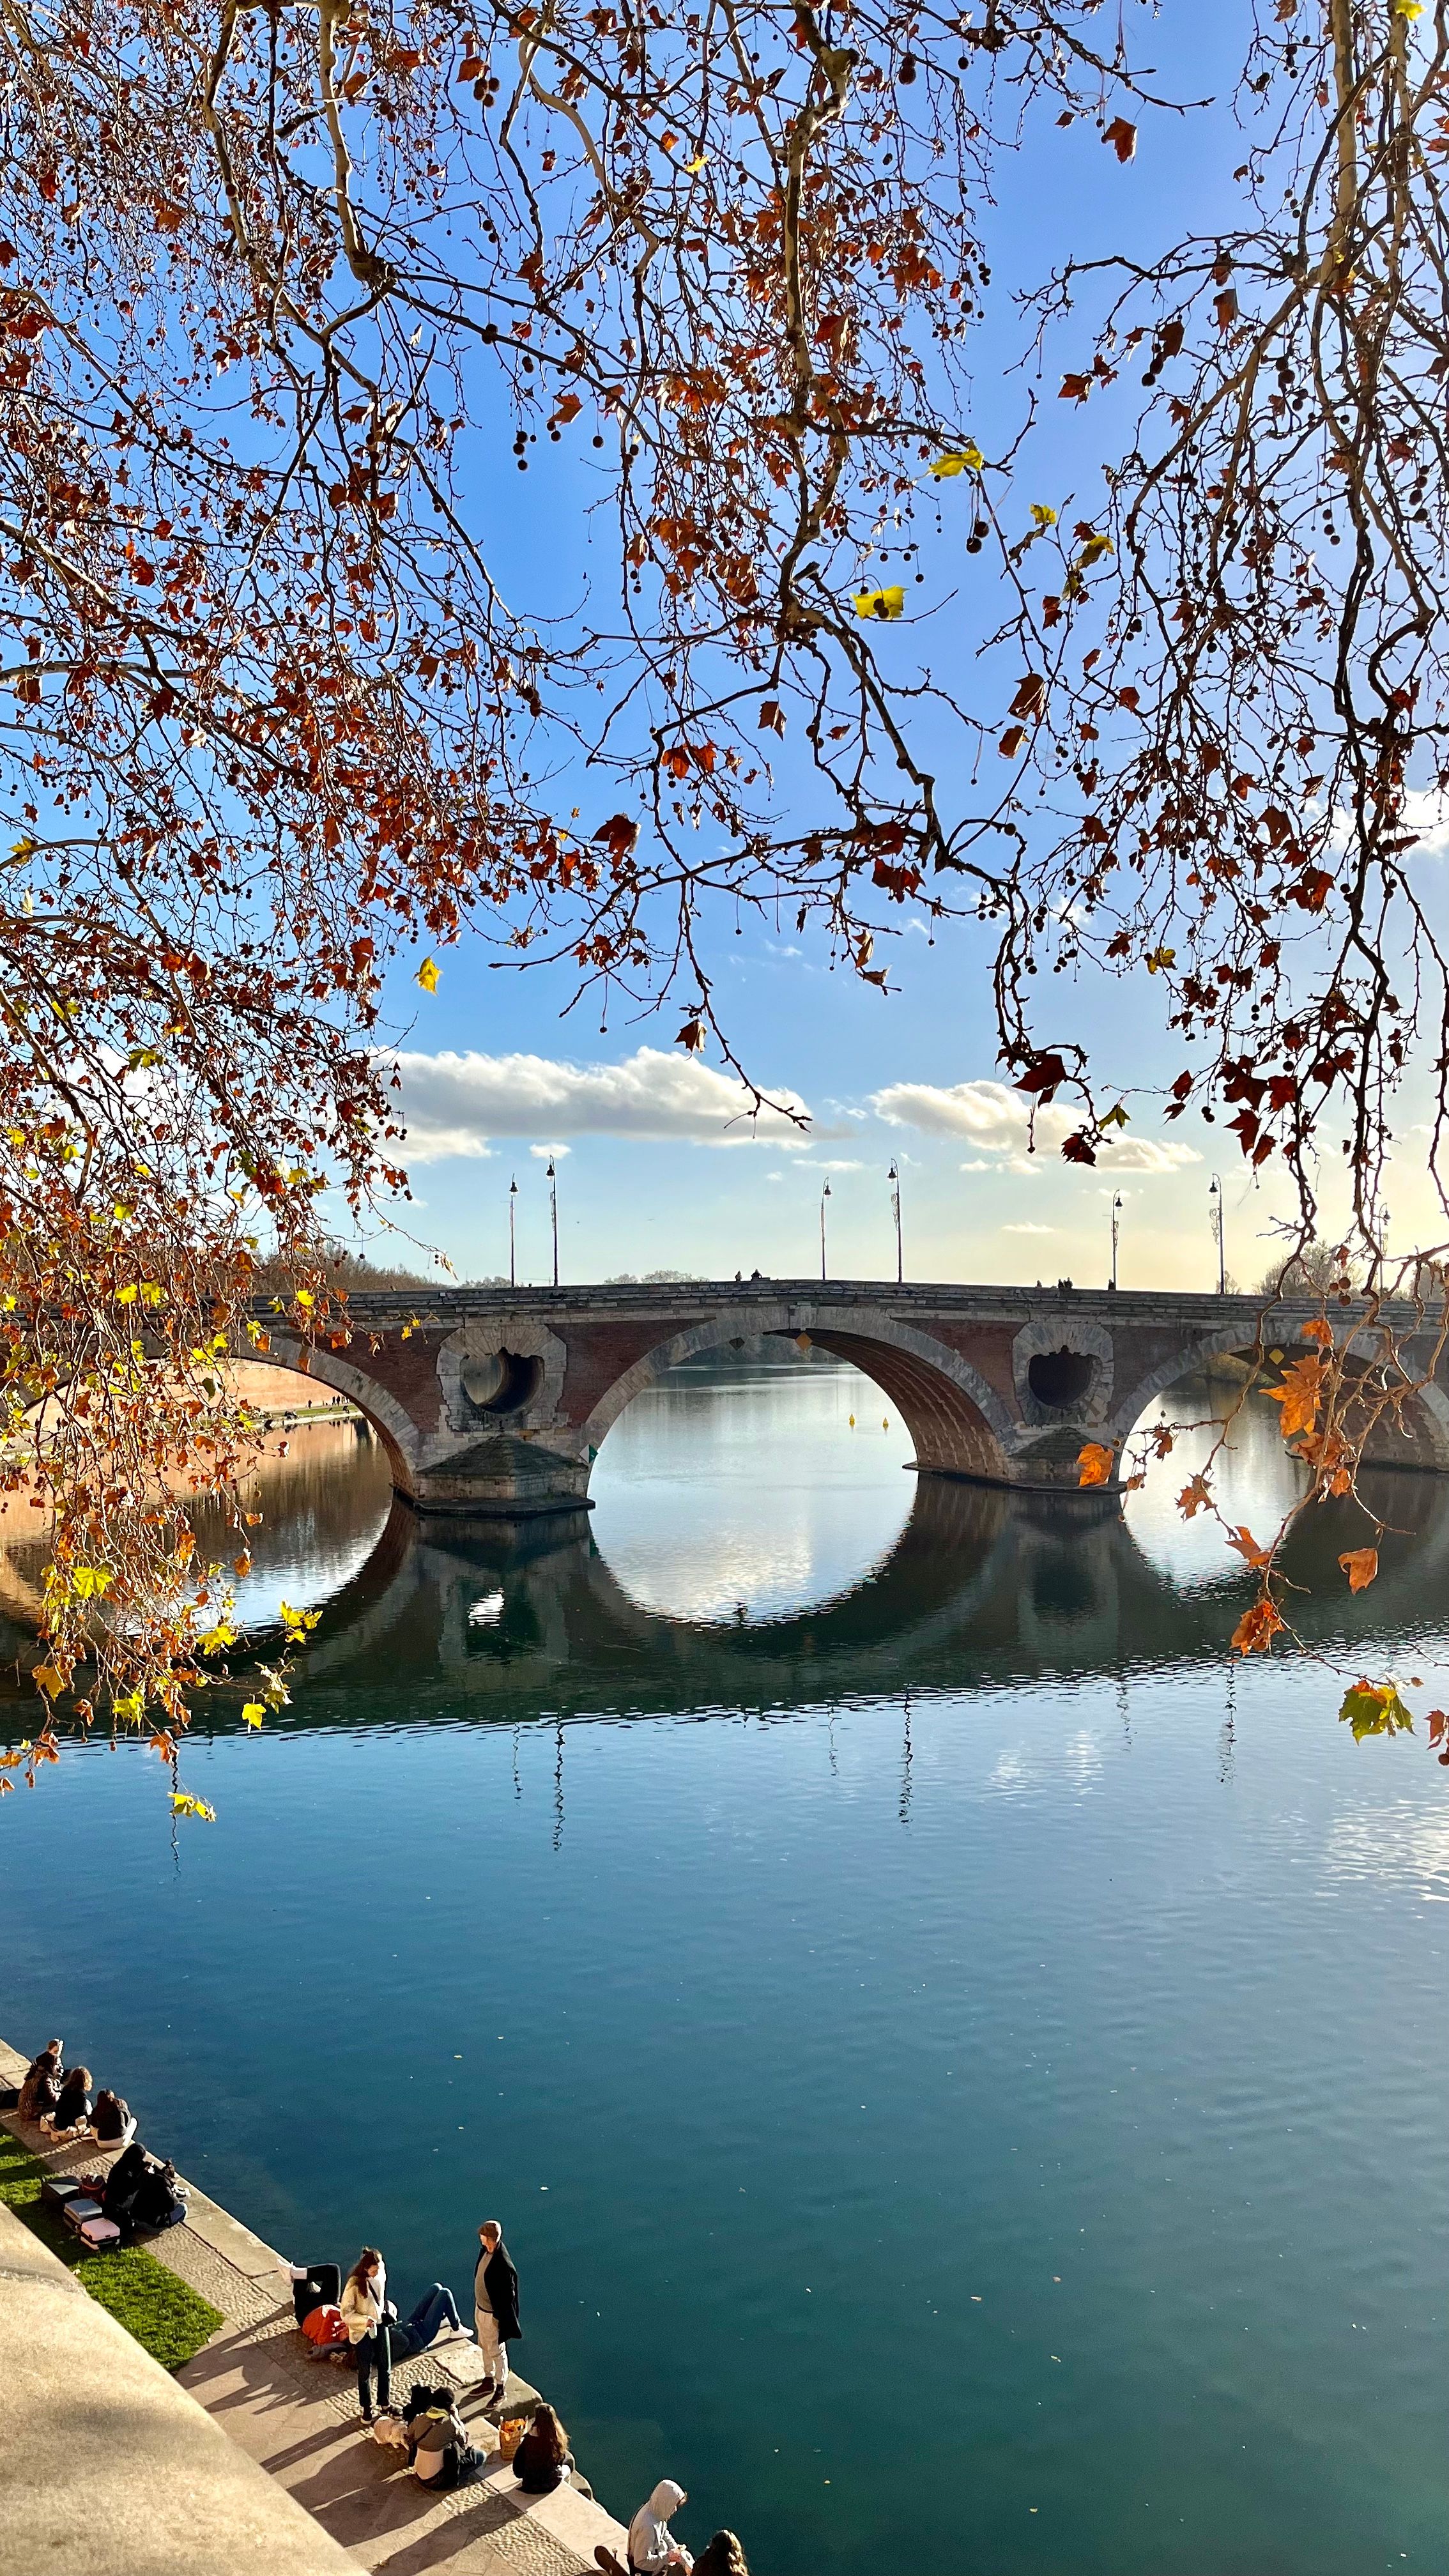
(438, 2446)
(652, 2545)
(543, 2459)
(73, 2104)
(41, 2089)
(111, 2120)
(721, 2556)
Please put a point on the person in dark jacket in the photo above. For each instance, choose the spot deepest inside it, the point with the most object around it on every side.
(495, 2309)
(73, 2104)
(439, 2450)
(111, 2120)
(41, 2089)
(542, 2460)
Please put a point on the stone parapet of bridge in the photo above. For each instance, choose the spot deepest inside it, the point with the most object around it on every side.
(498, 1400)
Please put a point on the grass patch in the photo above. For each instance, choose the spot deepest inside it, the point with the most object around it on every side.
(165, 2316)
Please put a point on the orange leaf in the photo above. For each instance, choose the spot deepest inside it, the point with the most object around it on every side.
(1194, 1497)
(1360, 1564)
(1320, 1330)
(1247, 1546)
(1300, 1395)
(1096, 1464)
(1257, 1628)
(1122, 137)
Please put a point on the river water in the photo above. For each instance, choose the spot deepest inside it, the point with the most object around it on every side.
(961, 2071)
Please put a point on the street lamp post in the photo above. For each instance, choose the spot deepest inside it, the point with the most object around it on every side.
(1116, 1228)
(512, 1234)
(824, 1195)
(893, 1176)
(1215, 1206)
(553, 1205)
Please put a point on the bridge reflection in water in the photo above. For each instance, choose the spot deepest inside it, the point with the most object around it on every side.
(449, 1620)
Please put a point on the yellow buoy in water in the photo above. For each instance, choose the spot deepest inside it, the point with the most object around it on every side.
(852, 1422)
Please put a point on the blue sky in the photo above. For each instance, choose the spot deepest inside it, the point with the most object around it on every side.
(656, 1169)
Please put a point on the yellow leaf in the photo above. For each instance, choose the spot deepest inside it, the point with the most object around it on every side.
(304, 1297)
(1044, 517)
(1092, 552)
(127, 1296)
(182, 1805)
(151, 1294)
(700, 162)
(427, 976)
(1408, 8)
(130, 1708)
(88, 1582)
(1160, 958)
(958, 461)
(119, 1213)
(1115, 1117)
(254, 1711)
(881, 603)
(215, 1638)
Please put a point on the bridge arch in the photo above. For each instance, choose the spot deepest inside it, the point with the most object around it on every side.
(1419, 1439)
(395, 1427)
(956, 1419)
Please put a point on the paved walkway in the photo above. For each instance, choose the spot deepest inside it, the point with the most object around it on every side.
(296, 2415)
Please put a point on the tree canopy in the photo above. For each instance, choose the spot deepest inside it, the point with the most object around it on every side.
(270, 716)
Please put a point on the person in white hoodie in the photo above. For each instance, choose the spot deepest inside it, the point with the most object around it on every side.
(652, 2545)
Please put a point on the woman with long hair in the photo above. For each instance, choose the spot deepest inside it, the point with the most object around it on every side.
(721, 2556)
(364, 2313)
(543, 2459)
(73, 2103)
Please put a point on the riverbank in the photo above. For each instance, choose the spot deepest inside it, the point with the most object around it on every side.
(295, 2416)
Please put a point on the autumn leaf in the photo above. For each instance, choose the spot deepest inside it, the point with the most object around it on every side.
(618, 834)
(1031, 696)
(1320, 1330)
(1257, 1628)
(1011, 741)
(427, 976)
(691, 1036)
(887, 604)
(1122, 137)
(184, 1805)
(958, 461)
(1096, 1464)
(253, 1711)
(89, 1582)
(1094, 548)
(1160, 959)
(1044, 517)
(1300, 1395)
(1247, 1546)
(1360, 1564)
(1195, 1497)
(1375, 1708)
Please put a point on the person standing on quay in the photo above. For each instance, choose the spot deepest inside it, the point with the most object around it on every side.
(495, 2306)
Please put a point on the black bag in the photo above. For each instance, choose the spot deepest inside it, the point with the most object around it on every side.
(9, 2097)
(322, 2288)
(157, 2204)
(57, 2189)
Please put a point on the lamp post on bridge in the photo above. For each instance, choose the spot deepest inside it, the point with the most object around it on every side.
(512, 1234)
(824, 1195)
(893, 1176)
(1116, 1228)
(552, 1177)
(1215, 1210)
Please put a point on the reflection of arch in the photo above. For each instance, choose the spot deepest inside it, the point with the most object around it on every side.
(1422, 1441)
(957, 1421)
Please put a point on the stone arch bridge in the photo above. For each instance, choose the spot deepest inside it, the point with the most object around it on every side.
(497, 1401)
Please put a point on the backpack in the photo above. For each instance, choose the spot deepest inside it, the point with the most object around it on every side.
(157, 2204)
(323, 2326)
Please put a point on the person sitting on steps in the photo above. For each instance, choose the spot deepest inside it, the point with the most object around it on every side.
(721, 2556)
(542, 2460)
(111, 2120)
(652, 2545)
(41, 2089)
(73, 2103)
(438, 2446)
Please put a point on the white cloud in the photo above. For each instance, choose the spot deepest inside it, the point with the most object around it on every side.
(453, 1103)
(998, 1121)
(1028, 1229)
(549, 1153)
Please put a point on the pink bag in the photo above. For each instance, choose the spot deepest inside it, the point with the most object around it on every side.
(99, 2233)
